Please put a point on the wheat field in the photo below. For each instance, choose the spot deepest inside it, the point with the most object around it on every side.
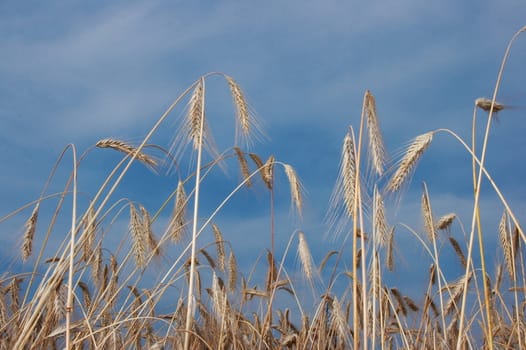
(171, 279)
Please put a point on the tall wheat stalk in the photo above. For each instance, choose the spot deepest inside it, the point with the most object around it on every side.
(478, 183)
(197, 110)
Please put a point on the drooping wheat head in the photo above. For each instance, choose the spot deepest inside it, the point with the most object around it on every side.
(243, 165)
(407, 164)
(27, 245)
(295, 187)
(127, 149)
(245, 122)
(445, 221)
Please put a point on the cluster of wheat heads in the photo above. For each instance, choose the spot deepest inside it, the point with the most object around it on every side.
(471, 311)
(175, 283)
(94, 290)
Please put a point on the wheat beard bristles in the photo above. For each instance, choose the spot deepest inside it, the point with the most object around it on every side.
(380, 222)
(348, 174)
(243, 165)
(27, 245)
(504, 237)
(427, 215)
(411, 157)
(389, 260)
(295, 187)
(220, 247)
(195, 113)
(444, 223)
(89, 234)
(153, 245)
(376, 144)
(177, 223)
(338, 318)
(458, 251)
(232, 272)
(137, 232)
(267, 172)
(126, 149)
(305, 256)
(244, 119)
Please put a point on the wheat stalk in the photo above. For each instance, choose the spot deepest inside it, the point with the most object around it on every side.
(407, 164)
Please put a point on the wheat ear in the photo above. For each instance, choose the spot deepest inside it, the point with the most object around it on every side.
(244, 120)
(427, 215)
(295, 187)
(220, 247)
(195, 114)
(305, 256)
(444, 222)
(232, 272)
(407, 164)
(126, 149)
(27, 245)
(458, 251)
(178, 221)
(379, 220)
(243, 165)
(137, 233)
(504, 237)
(267, 173)
(376, 144)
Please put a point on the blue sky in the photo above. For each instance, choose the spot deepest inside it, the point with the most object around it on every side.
(79, 72)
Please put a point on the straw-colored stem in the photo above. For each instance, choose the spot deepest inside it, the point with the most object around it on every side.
(477, 188)
(489, 328)
(190, 301)
(357, 211)
(69, 303)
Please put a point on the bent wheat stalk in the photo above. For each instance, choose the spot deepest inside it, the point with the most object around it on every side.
(477, 187)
